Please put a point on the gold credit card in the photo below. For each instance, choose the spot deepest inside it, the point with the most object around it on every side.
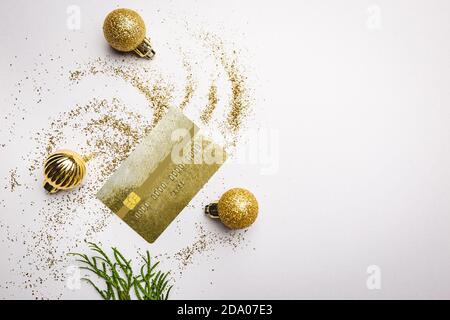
(162, 175)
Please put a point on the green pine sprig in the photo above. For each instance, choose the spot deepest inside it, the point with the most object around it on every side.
(117, 273)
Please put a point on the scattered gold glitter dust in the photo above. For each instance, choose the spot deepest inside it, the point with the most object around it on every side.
(238, 103)
(75, 75)
(13, 183)
(190, 84)
(240, 100)
(212, 104)
(113, 133)
(149, 82)
(204, 244)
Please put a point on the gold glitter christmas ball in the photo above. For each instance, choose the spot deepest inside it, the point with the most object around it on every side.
(237, 208)
(125, 30)
(63, 170)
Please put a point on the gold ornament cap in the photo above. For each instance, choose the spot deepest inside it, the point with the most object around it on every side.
(63, 170)
(237, 208)
(125, 31)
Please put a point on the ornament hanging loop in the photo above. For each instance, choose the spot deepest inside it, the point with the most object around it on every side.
(212, 210)
(144, 50)
(49, 188)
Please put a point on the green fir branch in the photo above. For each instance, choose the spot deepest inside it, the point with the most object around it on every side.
(119, 278)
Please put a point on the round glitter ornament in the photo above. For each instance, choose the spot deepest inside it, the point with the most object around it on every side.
(63, 170)
(237, 208)
(125, 31)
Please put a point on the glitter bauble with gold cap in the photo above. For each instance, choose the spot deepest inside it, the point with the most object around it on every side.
(125, 31)
(63, 170)
(237, 208)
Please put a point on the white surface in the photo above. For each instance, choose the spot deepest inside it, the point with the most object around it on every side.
(363, 120)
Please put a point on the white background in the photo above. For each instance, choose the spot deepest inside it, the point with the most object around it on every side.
(363, 117)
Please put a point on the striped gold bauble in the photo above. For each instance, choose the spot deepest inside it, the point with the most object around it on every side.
(63, 170)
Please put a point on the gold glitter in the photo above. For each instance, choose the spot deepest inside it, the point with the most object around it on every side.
(240, 100)
(124, 29)
(239, 103)
(238, 208)
(145, 79)
(204, 244)
(13, 180)
(159, 94)
(211, 106)
(75, 75)
(190, 84)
